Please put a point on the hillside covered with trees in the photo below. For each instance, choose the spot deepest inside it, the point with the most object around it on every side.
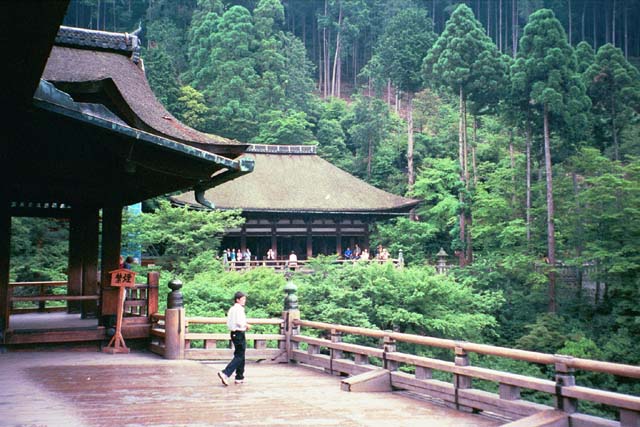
(514, 121)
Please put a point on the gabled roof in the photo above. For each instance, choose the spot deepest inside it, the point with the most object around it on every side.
(295, 179)
(99, 137)
(91, 65)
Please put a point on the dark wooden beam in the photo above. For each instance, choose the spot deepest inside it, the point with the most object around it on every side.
(5, 252)
(111, 242)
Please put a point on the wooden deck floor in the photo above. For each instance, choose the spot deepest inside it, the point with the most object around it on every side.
(140, 389)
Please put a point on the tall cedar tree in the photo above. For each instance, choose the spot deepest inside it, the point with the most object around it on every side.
(400, 52)
(545, 72)
(466, 60)
(614, 87)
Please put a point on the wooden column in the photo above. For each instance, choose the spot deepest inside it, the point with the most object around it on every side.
(110, 260)
(365, 239)
(90, 261)
(309, 240)
(5, 252)
(243, 239)
(274, 238)
(338, 237)
(74, 276)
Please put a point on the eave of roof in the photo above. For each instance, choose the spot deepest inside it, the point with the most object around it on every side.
(300, 182)
(82, 56)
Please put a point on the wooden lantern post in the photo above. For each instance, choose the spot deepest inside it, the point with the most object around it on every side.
(121, 278)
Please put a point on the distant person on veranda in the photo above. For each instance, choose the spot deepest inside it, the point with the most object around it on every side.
(237, 324)
(128, 262)
(293, 260)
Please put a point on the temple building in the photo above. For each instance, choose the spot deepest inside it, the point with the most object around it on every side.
(296, 201)
(85, 136)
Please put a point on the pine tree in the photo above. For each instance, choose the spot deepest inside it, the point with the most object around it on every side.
(545, 72)
(466, 60)
(400, 51)
(614, 88)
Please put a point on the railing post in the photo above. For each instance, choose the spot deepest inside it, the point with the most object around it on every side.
(289, 316)
(389, 346)
(629, 418)
(153, 280)
(564, 378)
(174, 323)
(461, 359)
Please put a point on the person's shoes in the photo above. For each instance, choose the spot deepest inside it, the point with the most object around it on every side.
(224, 378)
(239, 381)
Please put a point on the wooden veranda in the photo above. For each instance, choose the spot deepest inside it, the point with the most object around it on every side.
(142, 389)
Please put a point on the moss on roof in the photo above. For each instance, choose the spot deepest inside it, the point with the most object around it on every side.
(300, 183)
(82, 65)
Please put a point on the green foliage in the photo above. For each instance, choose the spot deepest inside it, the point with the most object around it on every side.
(290, 128)
(545, 74)
(180, 234)
(411, 300)
(614, 87)
(190, 108)
(401, 49)
(465, 59)
(162, 77)
(39, 249)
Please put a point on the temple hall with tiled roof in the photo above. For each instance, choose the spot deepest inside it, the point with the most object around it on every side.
(294, 200)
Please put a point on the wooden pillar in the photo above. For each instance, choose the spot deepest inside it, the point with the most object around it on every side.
(309, 240)
(365, 239)
(243, 239)
(110, 260)
(274, 238)
(74, 276)
(338, 237)
(5, 252)
(90, 261)
(564, 378)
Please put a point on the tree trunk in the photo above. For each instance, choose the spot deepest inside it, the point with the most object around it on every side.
(582, 17)
(528, 178)
(334, 89)
(613, 24)
(500, 25)
(626, 32)
(551, 239)
(613, 129)
(461, 254)
(579, 232)
(513, 170)
(325, 50)
(570, 23)
(514, 27)
(389, 92)
(473, 152)
(410, 140)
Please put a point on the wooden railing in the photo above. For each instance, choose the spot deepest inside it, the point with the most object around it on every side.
(42, 296)
(205, 345)
(350, 359)
(302, 266)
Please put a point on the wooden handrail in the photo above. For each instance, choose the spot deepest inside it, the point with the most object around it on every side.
(57, 298)
(223, 321)
(515, 354)
(49, 283)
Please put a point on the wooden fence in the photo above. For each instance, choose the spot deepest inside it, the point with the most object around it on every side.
(384, 368)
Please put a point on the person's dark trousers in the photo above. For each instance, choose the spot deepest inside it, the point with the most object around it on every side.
(237, 363)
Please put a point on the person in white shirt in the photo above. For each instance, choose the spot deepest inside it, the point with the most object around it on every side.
(293, 261)
(237, 324)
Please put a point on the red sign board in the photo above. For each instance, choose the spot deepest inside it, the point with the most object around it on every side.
(123, 278)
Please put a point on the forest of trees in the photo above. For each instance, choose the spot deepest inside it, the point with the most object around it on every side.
(514, 121)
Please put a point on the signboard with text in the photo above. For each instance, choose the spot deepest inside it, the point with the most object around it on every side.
(123, 278)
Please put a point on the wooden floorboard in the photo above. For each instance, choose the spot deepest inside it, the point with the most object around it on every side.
(140, 389)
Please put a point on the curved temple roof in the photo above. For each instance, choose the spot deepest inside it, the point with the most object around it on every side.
(81, 57)
(295, 179)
